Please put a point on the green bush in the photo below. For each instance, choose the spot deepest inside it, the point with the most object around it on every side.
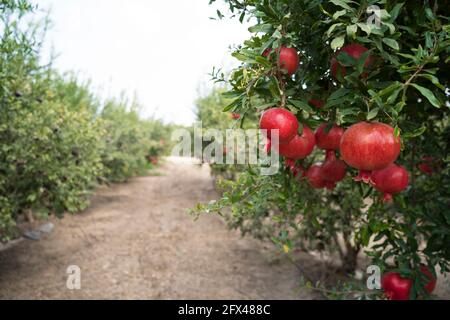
(57, 140)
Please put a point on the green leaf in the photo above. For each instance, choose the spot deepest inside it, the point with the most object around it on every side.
(391, 43)
(427, 93)
(333, 27)
(351, 30)
(339, 13)
(365, 27)
(342, 4)
(337, 42)
(372, 114)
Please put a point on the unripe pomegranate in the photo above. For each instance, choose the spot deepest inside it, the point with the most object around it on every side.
(288, 59)
(316, 103)
(390, 180)
(333, 169)
(314, 176)
(353, 50)
(369, 146)
(330, 140)
(235, 116)
(281, 119)
(300, 146)
(395, 287)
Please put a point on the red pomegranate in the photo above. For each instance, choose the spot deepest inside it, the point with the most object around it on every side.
(395, 287)
(235, 116)
(390, 180)
(300, 146)
(281, 119)
(431, 285)
(331, 139)
(369, 146)
(296, 170)
(288, 59)
(353, 50)
(398, 288)
(428, 165)
(333, 169)
(316, 103)
(314, 176)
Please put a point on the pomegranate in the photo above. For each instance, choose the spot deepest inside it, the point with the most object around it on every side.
(398, 288)
(316, 103)
(353, 50)
(314, 176)
(428, 165)
(300, 146)
(288, 59)
(369, 146)
(281, 119)
(296, 170)
(390, 180)
(235, 116)
(395, 287)
(333, 169)
(431, 284)
(329, 140)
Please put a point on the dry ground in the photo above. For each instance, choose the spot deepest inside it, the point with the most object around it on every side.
(137, 242)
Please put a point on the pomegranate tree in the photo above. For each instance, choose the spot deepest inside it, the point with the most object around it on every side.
(386, 93)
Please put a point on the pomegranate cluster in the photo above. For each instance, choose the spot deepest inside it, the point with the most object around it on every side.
(370, 147)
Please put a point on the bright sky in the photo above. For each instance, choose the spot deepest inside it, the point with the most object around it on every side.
(160, 50)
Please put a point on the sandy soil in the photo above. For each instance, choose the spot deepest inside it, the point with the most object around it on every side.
(138, 242)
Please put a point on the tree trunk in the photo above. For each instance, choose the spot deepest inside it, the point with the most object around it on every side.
(350, 260)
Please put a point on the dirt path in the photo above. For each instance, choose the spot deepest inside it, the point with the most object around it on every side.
(137, 242)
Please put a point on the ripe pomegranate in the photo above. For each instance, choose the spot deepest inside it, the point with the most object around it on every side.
(330, 140)
(428, 165)
(353, 50)
(395, 287)
(300, 146)
(369, 146)
(316, 103)
(281, 119)
(431, 285)
(333, 169)
(314, 176)
(398, 288)
(295, 169)
(390, 180)
(288, 59)
(235, 116)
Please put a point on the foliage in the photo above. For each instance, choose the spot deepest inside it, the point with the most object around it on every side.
(405, 87)
(57, 139)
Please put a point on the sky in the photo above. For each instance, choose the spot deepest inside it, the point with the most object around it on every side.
(162, 51)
